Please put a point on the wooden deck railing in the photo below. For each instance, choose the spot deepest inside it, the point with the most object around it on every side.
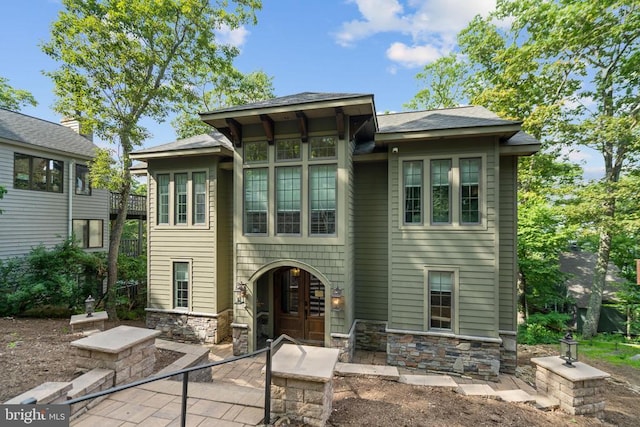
(137, 208)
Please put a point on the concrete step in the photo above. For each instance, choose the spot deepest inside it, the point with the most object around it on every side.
(359, 370)
(428, 380)
(481, 390)
(515, 396)
(546, 403)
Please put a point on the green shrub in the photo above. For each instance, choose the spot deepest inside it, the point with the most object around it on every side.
(543, 328)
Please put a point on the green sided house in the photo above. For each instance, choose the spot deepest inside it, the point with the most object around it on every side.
(311, 216)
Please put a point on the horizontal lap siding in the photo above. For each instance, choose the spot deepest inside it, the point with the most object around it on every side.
(371, 241)
(30, 218)
(508, 230)
(471, 251)
(175, 243)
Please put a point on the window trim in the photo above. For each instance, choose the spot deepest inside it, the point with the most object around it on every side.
(277, 192)
(244, 202)
(455, 224)
(455, 298)
(310, 200)
(176, 200)
(168, 204)
(86, 244)
(49, 177)
(172, 263)
(194, 196)
(404, 192)
(88, 183)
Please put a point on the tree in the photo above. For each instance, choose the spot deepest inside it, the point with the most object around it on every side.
(232, 88)
(122, 61)
(443, 84)
(568, 68)
(14, 99)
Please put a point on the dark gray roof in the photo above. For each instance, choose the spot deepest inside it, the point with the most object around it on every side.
(449, 118)
(581, 266)
(522, 138)
(299, 98)
(214, 139)
(30, 130)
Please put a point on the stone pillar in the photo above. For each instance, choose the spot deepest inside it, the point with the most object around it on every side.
(508, 352)
(579, 390)
(302, 387)
(240, 338)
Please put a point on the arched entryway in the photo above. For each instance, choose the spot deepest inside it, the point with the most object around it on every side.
(299, 305)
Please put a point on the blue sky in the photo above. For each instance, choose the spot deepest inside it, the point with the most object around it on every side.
(355, 46)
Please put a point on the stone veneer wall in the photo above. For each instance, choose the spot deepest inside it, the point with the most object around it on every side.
(301, 400)
(240, 338)
(190, 326)
(508, 352)
(371, 335)
(478, 359)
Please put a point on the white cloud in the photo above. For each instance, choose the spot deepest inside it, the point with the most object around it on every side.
(412, 56)
(236, 37)
(428, 26)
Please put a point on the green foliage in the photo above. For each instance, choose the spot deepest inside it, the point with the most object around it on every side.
(3, 191)
(131, 292)
(543, 328)
(14, 99)
(614, 349)
(443, 84)
(46, 280)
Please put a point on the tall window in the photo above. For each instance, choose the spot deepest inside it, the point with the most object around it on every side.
(88, 232)
(180, 183)
(37, 173)
(322, 196)
(470, 190)
(288, 191)
(412, 176)
(82, 180)
(440, 299)
(440, 191)
(181, 284)
(163, 199)
(199, 180)
(255, 201)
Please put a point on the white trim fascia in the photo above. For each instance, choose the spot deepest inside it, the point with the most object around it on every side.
(444, 133)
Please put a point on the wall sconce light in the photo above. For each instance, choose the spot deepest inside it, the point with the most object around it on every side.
(89, 306)
(569, 350)
(295, 272)
(241, 293)
(337, 299)
(394, 150)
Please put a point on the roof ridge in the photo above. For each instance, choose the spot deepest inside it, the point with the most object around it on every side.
(432, 109)
(36, 118)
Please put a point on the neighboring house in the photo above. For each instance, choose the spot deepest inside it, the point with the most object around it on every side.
(580, 266)
(43, 167)
(311, 216)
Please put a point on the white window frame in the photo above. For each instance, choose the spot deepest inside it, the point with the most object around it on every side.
(190, 200)
(455, 298)
(172, 264)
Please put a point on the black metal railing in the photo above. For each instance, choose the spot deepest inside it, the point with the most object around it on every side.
(269, 350)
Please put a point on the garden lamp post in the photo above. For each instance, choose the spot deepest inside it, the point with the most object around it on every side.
(569, 350)
(89, 305)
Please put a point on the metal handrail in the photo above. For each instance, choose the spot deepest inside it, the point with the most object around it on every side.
(185, 381)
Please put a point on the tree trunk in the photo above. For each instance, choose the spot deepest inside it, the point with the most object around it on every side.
(590, 327)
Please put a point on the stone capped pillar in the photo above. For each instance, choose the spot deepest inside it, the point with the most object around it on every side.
(302, 383)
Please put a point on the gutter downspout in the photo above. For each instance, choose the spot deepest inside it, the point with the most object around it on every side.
(70, 203)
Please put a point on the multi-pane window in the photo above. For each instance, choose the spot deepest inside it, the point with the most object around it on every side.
(288, 192)
(180, 197)
(82, 180)
(440, 191)
(288, 149)
(440, 299)
(255, 201)
(412, 177)
(322, 197)
(255, 152)
(181, 284)
(88, 232)
(199, 180)
(163, 198)
(322, 147)
(470, 190)
(37, 173)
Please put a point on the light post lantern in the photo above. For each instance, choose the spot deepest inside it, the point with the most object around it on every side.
(337, 299)
(569, 350)
(89, 305)
(241, 293)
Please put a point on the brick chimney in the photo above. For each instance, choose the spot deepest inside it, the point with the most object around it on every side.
(74, 125)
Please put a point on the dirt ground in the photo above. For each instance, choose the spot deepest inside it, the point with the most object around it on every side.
(33, 351)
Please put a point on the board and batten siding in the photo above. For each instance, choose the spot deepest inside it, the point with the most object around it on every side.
(508, 249)
(371, 241)
(31, 218)
(470, 250)
(194, 244)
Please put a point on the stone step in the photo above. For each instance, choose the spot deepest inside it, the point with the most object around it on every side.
(428, 380)
(51, 392)
(481, 390)
(546, 403)
(217, 391)
(515, 396)
(359, 370)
